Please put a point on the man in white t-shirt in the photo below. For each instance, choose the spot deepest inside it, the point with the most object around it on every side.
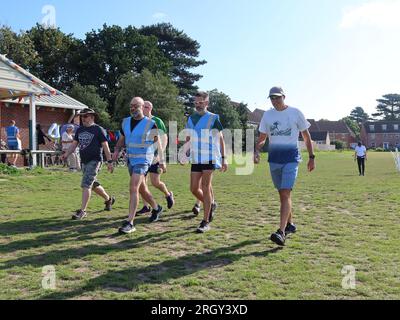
(282, 125)
(361, 156)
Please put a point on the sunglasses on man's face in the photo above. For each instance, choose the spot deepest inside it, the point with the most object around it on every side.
(85, 116)
(275, 97)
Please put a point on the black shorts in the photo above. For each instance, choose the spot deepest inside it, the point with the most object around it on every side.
(203, 167)
(153, 169)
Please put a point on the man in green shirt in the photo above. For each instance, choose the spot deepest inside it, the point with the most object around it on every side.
(154, 170)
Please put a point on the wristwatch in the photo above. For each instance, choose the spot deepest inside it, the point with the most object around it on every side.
(312, 156)
(110, 161)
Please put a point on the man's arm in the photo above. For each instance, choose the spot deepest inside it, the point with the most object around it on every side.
(70, 150)
(120, 144)
(259, 145)
(107, 152)
(307, 139)
(161, 155)
(223, 154)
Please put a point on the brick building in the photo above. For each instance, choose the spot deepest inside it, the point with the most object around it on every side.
(381, 134)
(338, 131)
(28, 100)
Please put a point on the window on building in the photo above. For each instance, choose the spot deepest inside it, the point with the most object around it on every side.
(384, 127)
(373, 136)
(372, 127)
(396, 127)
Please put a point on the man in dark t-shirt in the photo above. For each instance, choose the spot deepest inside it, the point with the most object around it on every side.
(91, 139)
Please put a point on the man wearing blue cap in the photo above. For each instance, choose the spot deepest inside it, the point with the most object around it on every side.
(282, 125)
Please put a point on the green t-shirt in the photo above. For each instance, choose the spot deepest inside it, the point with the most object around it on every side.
(196, 118)
(160, 125)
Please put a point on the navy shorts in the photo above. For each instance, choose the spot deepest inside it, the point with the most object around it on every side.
(200, 167)
(154, 168)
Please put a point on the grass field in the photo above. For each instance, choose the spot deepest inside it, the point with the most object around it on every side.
(342, 219)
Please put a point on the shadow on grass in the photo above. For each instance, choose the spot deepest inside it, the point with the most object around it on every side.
(56, 257)
(11, 228)
(130, 279)
(71, 231)
(60, 230)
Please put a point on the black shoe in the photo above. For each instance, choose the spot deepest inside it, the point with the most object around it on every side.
(79, 215)
(127, 228)
(204, 227)
(156, 214)
(214, 207)
(278, 238)
(144, 210)
(170, 200)
(109, 204)
(196, 210)
(290, 228)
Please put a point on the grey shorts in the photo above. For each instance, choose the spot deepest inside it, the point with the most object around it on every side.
(90, 171)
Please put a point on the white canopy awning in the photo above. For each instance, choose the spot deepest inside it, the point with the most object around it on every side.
(15, 82)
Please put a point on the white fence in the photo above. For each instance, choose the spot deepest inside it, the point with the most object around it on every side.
(396, 157)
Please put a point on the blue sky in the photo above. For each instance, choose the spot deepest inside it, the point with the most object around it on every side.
(329, 55)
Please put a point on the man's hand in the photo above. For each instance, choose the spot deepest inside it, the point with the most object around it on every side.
(311, 165)
(115, 156)
(163, 167)
(224, 167)
(256, 157)
(64, 156)
(110, 167)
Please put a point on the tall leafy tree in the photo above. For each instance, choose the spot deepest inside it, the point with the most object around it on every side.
(18, 47)
(111, 52)
(358, 115)
(156, 88)
(182, 51)
(89, 96)
(388, 107)
(243, 112)
(221, 104)
(57, 56)
(353, 125)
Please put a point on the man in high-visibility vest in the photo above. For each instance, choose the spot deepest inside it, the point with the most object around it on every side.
(207, 153)
(154, 170)
(139, 135)
(13, 136)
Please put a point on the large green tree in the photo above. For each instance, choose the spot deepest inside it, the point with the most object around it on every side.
(388, 107)
(353, 125)
(57, 56)
(359, 115)
(111, 52)
(156, 88)
(182, 51)
(243, 112)
(89, 96)
(221, 104)
(18, 47)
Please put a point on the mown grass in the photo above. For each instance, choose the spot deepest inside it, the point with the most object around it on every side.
(343, 219)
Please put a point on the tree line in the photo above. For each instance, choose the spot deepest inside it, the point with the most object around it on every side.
(388, 109)
(112, 64)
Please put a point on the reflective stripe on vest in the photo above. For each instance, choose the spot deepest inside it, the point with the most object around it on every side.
(139, 145)
(12, 136)
(205, 147)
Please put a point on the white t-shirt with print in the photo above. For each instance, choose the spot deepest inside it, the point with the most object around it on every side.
(283, 128)
(361, 151)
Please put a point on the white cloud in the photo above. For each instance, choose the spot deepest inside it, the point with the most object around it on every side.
(159, 16)
(380, 14)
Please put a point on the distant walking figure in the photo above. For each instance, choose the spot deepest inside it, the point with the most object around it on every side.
(361, 156)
